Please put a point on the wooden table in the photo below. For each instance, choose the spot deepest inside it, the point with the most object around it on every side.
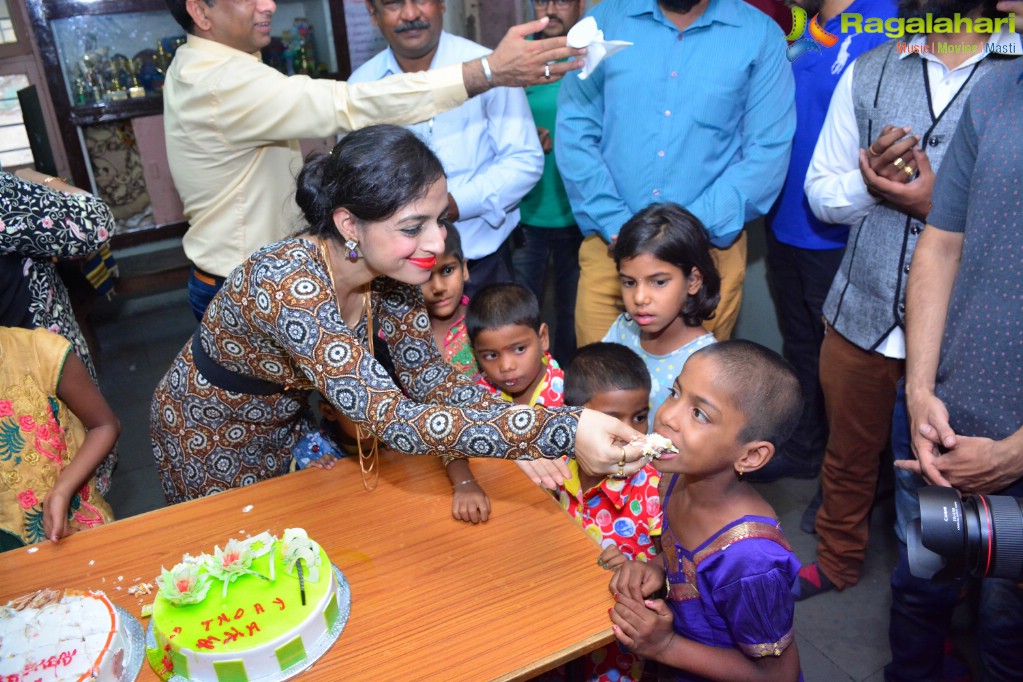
(432, 598)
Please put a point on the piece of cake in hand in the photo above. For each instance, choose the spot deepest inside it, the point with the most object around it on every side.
(654, 444)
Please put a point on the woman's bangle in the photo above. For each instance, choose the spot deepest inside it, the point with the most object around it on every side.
(487, 73)
(468, 480)
(49, 180)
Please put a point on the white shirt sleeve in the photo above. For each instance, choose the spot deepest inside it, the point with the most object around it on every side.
(491, 191)
(834, 185)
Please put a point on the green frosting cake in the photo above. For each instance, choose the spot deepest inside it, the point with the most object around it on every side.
(238, 615)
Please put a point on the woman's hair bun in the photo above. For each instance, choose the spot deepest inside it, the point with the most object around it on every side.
(371, 173)
(311, 194)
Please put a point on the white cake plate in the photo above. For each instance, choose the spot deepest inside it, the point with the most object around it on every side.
(313, 653)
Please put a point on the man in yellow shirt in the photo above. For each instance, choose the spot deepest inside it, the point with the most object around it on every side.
(232, 123)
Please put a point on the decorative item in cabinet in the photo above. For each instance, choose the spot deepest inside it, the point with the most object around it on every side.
(115, 57)
(104, 62)
(129, 162)
(117, 168)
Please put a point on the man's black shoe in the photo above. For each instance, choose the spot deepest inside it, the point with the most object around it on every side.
(781, 467)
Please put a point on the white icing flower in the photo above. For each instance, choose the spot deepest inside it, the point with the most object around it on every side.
(260, 544)
(183, 584)
(231, 562)
(296, 545)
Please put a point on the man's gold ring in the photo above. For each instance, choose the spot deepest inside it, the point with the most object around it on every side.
(547, 71)
(908, 170)
(621, 462)
(871, 150)
(898, 163)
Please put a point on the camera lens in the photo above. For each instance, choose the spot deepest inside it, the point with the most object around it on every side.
(1006, 536)
(981, 535)
(942, 530)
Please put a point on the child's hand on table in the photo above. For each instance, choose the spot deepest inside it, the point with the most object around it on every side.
(637, 579)
(315, 450)
(645, 627)
(55, 508)
(327, 461)
(470, 503)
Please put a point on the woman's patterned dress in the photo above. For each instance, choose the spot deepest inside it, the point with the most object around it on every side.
(276, 320)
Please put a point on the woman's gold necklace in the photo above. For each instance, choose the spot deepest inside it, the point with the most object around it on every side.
(368, 462)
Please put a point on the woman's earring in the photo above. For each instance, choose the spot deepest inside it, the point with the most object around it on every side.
(353, 249)
(739, 473)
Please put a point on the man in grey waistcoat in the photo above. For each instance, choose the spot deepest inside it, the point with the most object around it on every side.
(891, 118)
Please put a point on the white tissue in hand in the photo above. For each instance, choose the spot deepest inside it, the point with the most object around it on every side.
(586, 34)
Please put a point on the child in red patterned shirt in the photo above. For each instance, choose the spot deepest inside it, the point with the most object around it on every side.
(510, 344)
(622, 515)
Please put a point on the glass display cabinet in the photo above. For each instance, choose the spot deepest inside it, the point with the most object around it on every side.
(105, 62)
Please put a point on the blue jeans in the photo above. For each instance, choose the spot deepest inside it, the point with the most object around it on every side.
(201, 291)
(542, 244)
(921, 611)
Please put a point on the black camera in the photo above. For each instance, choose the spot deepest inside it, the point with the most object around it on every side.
(979, 535)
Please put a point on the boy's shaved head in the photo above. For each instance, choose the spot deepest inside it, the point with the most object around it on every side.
(763, 386)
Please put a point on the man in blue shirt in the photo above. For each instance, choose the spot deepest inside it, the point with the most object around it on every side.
(488, 145)
(699, 111)
(803, 253)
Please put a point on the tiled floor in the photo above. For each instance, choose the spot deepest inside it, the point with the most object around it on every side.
(841, 636)
(137, 340)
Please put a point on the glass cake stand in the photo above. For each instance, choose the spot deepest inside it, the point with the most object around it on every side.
(135, 644)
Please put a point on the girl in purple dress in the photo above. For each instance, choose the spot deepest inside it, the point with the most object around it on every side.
(728, 613)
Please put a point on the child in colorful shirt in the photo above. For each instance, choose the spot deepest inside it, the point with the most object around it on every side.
(510, 344)
(622, 515)
(446, 303)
